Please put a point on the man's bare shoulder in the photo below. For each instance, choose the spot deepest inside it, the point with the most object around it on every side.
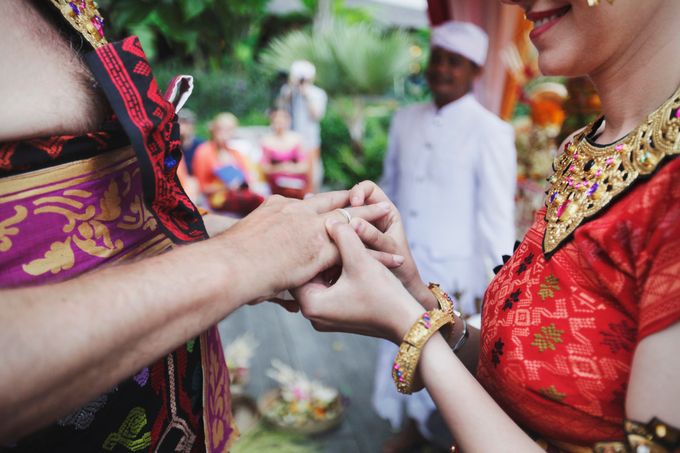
(45, 87)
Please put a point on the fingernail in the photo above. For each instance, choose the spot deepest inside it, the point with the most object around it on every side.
(308, 195)
(398, 259)
(384, 205)
(331, 221)
(358, 226)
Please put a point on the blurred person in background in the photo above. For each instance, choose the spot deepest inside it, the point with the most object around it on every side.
(450, 170)
(187, 135)
(189, 142)
(223, 173)
(306, 104)
(284, 162)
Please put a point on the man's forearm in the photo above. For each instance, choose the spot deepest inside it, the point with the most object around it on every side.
(75, 340)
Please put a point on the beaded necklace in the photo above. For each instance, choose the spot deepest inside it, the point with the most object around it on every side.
(588, 177)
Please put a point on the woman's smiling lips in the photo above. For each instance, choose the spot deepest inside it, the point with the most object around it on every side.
(544, 20)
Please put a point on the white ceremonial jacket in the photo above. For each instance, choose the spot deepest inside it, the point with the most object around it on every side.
(452, 174)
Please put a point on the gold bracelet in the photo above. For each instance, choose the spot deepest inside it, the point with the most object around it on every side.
(445, 304)
(406, 361)
(444, 300)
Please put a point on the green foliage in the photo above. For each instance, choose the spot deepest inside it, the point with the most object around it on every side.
(243, 91)
(345, 165)
(351, 59)
(201, 32)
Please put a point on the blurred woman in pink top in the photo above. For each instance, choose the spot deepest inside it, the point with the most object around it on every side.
(284, 162)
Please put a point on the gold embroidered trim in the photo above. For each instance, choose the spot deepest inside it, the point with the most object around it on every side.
(19, 187)
(587, 177)
(84, 17)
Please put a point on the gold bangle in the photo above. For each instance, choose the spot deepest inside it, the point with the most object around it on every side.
(445, 304)
(406, 361)
(444, 300)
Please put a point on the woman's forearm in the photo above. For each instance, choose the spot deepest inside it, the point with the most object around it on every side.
(472, 416)
(75, 340)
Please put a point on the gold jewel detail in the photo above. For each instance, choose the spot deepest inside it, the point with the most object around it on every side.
(655, 436)
(597, 2)
(84, 17)
(588, 177)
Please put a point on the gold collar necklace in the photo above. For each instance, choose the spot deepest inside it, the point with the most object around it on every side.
(588, 177)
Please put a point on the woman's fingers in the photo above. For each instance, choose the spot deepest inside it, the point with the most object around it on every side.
(389, 260)
(373, 237)
(352, 250)
(366, 192)
(371, 212)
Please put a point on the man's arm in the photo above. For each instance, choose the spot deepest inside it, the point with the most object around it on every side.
(74, 340)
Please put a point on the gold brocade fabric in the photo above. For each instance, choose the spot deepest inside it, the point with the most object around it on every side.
(588, 177)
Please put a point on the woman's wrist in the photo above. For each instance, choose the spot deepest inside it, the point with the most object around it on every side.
(412, 310)
(420, 291)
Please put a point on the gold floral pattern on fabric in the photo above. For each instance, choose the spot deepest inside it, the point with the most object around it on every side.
(59, 257)
(87, 224)
(552, 393)
(587, 177)
(548, 338)
(138, 215)
(8, 228)
(548, 287)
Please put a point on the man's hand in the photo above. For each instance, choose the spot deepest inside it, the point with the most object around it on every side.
(284, 243)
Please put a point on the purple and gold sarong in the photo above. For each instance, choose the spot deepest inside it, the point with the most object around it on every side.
(60, 222)
(121, 205)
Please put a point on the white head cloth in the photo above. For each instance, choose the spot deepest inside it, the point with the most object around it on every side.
(463, 38)
(302, 69)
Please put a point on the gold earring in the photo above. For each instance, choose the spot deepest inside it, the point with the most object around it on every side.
(597, 2)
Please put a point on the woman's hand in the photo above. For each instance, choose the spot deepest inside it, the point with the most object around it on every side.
(387, 235)
(366, 299)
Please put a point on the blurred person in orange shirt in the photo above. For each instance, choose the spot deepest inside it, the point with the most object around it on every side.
(223, 173)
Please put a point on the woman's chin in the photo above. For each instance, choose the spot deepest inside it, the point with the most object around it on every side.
(553, 64)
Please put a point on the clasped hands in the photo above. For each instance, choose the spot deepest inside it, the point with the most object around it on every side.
(358, 277)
